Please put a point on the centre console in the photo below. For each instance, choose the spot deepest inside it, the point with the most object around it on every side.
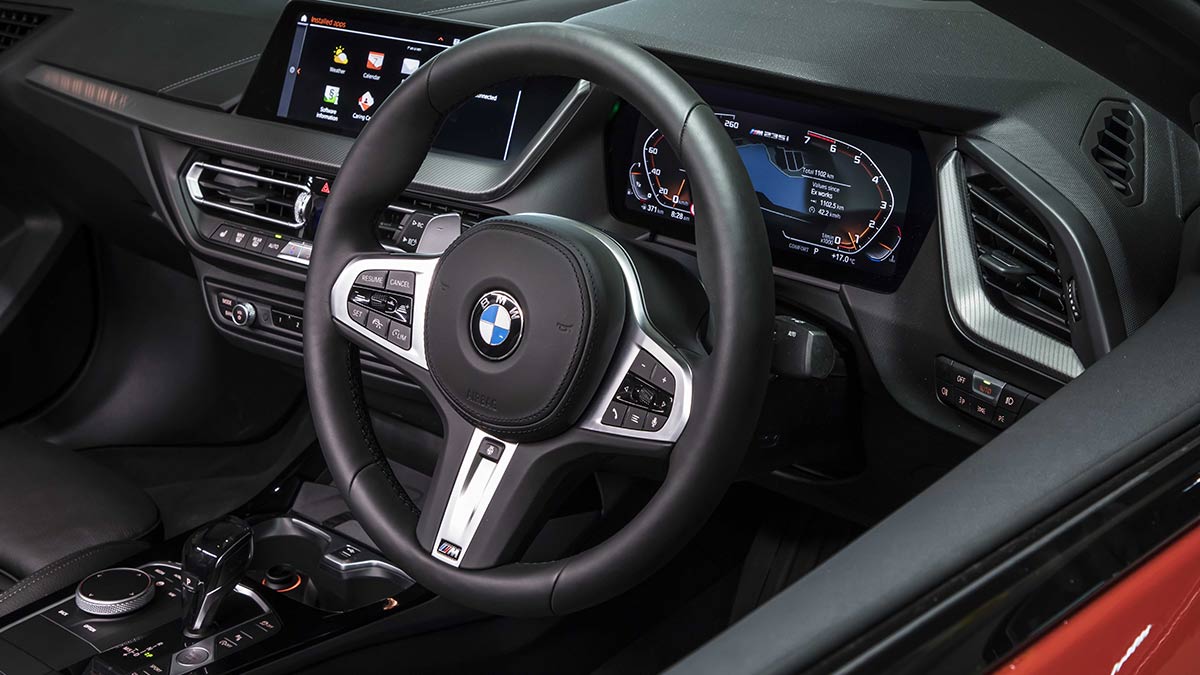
(240, 595)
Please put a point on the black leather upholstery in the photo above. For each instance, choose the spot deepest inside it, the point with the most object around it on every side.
(61, 518)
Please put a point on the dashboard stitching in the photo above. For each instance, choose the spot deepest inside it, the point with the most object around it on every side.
(212, 71)
(469, 5)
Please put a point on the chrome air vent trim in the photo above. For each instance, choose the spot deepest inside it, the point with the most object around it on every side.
(196, 192)
(972, 312)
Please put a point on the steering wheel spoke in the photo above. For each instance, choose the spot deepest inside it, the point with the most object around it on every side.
(647, 393)
(489, 495)
(378, 303)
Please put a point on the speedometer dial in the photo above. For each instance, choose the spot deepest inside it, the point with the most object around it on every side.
(665, 176)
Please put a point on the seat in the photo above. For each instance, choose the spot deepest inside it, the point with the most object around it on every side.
(62, 517)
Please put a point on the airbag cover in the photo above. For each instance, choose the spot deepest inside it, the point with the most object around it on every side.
(571, 300)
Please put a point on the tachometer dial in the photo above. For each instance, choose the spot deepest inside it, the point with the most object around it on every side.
(665, 175)
(843, 202)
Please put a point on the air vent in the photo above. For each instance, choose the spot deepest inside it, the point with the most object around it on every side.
(1115, 139)
(16, 25)
(256, 192)
(1016, 258)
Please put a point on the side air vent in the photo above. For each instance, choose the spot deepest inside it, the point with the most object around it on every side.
(17, 24)
(1115, 138)
(260, 193)
(1016, 258)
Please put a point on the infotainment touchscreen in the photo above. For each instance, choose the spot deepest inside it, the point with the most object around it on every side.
(330, 66)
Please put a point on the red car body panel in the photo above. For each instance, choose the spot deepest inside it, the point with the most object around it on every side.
(1148, 623)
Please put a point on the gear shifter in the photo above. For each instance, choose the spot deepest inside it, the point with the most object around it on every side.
(215, 558)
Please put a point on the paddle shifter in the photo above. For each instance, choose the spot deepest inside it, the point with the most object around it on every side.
(215, 558)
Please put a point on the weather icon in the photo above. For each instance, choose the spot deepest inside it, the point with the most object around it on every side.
(339, 56)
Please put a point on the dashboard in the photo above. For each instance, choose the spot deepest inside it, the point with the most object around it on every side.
(843, 197)
(223, 155)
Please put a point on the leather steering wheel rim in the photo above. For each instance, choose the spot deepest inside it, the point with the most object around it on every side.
(735, 269)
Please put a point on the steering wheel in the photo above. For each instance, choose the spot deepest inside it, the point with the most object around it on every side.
(550, 348)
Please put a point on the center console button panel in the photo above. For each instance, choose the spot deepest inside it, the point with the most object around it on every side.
(981, 396)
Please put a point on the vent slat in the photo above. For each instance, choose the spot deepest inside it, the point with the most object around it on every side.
(1004, 226)
(1114, 140)
(16, 25)
(999, 207)
(1015, 245)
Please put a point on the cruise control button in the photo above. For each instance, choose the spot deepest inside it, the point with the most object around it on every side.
(358, 313)
(615, 414)
(635, 418)
(643, 365)
(372, 279)
(400, 335)
(383, 302)
(402, 282)
(663, 378)
(377, 324)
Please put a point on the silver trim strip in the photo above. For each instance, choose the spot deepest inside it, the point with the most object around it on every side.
(192, 179)
(970, 309)
(477, 481)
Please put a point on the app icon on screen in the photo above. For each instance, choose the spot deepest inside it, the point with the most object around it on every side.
(409, 66)
(375, 61)
(366, 101)
(331, 94)
(339, 56)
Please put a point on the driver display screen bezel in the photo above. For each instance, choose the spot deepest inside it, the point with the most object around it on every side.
(918, 205)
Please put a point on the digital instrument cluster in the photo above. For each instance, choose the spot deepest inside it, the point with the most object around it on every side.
(835, 203)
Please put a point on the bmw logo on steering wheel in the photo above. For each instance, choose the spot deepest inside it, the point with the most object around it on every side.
(496, 325)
